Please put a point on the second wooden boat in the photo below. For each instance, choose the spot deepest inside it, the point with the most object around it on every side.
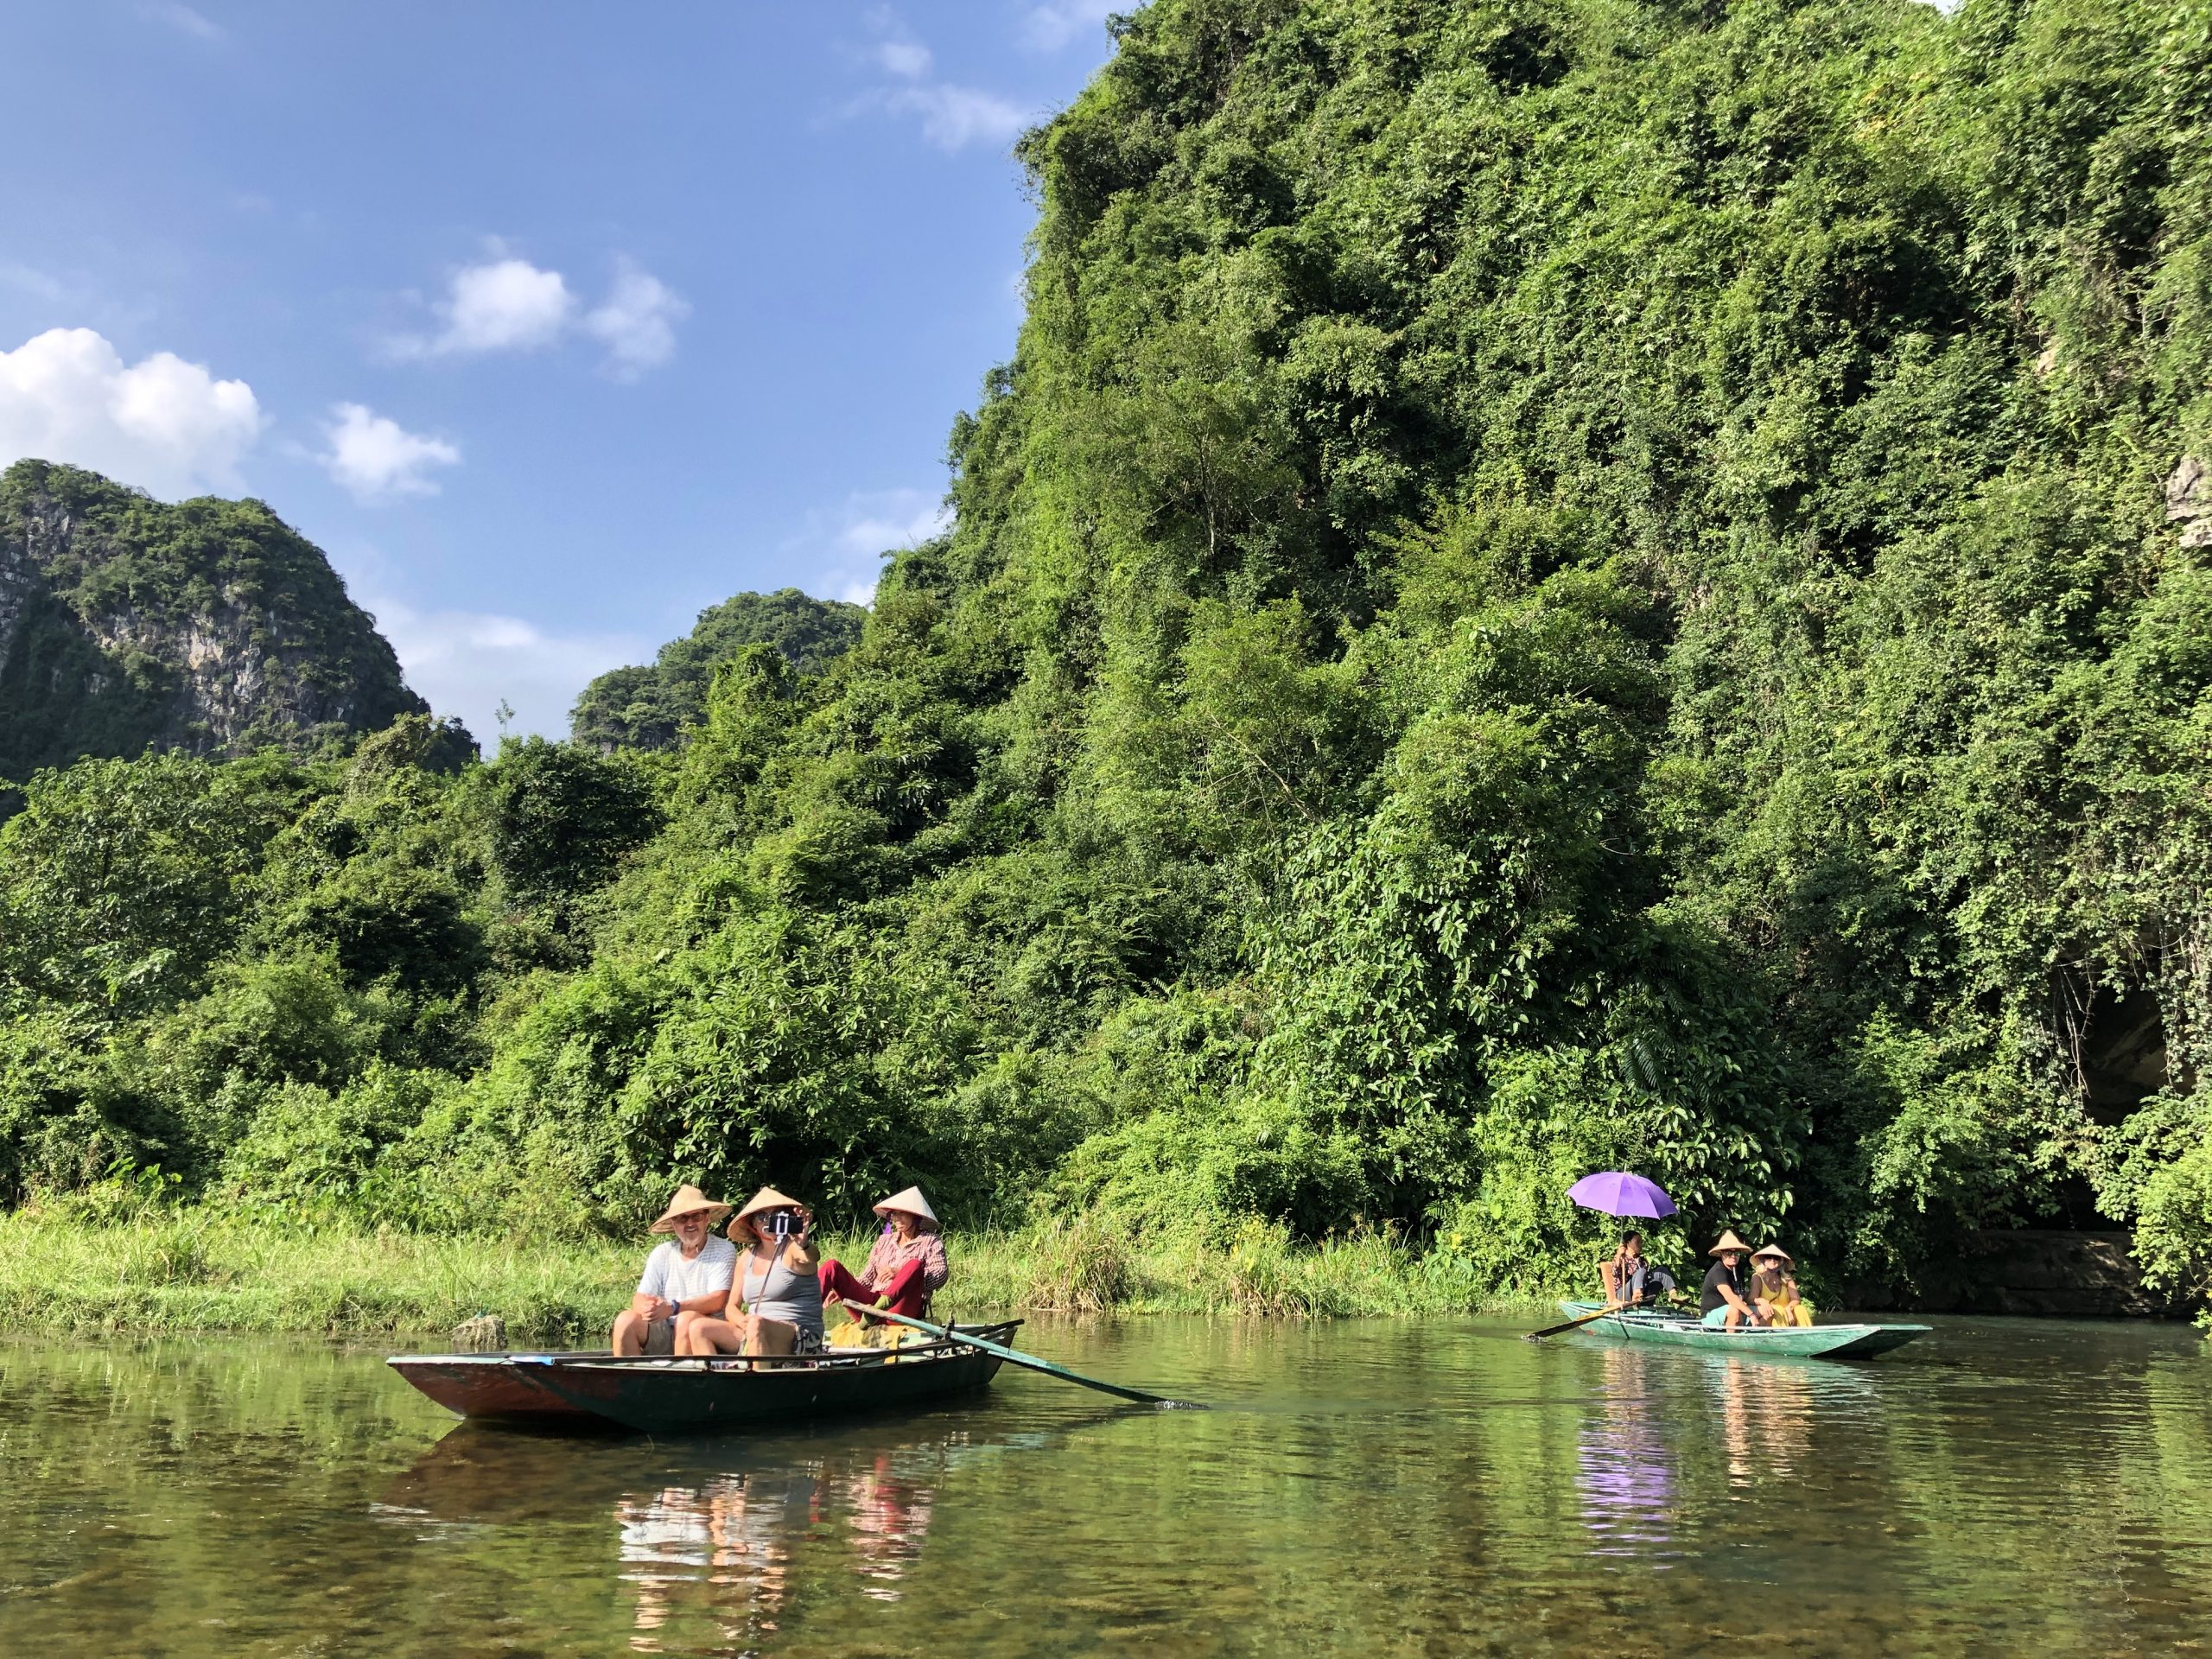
(1780, 1341)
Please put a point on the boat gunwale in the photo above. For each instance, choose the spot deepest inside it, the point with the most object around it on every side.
(1853, 1340)
(599, 1358)
(1692, 1322)
(662, 1400)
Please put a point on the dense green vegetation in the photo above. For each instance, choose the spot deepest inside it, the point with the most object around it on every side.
(117, 1261)
(651, 706)
(210, 625)
(1553, 584)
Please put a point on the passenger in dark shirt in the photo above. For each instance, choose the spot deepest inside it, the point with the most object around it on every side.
(1723, 1303)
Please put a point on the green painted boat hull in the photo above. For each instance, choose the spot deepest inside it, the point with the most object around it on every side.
(1770, 1342)
(733, 1395)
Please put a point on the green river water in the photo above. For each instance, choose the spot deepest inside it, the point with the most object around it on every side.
(2004, 1487)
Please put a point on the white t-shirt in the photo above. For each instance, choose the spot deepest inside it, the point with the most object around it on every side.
(669, 1276)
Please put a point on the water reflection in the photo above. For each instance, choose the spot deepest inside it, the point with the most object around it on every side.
(730, 1544)
(723, 1543)
(1380, 1492)
(890, 1518)
(1624, 1468)
(1752, 1421)
(1769, 1409)
(1766, 1416)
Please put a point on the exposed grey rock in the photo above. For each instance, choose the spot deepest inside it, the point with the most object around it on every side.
(18, 577)
(2189, 502)
(207, 626)
(485, 1334)
(2183, 489)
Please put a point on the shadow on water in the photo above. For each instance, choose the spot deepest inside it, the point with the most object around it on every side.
(1361, 1488)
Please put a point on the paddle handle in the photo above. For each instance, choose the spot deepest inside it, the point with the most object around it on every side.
(1014, 1356)
(1603, 1312)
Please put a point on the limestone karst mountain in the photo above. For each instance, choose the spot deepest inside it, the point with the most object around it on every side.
(207, 626)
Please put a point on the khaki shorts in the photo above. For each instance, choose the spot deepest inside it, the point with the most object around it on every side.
(782, 1337)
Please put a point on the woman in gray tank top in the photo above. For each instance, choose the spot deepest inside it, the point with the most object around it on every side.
(776, 1281)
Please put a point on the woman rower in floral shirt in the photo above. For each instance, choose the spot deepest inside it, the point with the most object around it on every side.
(904, 1270)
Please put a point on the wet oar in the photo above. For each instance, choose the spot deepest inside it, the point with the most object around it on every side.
(1016, 1357)
(1553, 1331)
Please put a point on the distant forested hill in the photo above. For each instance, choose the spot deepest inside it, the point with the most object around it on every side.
(1552, 585)
(647, 707)
(207, 626)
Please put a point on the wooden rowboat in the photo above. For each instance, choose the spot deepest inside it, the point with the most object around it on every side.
(1770, 1342)
(491, 1387)
(667, 1395)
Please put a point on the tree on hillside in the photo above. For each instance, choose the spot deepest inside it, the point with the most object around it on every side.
(650, 706)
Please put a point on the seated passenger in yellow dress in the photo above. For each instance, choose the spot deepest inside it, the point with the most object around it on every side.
(1773, 1288)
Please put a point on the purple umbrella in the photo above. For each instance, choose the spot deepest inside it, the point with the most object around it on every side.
(1617, 1194)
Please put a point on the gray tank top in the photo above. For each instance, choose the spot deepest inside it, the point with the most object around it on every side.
(782, 1292)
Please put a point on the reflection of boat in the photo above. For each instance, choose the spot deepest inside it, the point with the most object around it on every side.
(1777, 1341)
(661, 1395)
(1624, 1467)
(890, 1518)
(730, 1542)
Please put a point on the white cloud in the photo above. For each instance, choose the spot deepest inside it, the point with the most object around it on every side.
(502, 305)
(1048, 28)
(955, 117)
(467, 663)
(161, 423)
(39, 284)
(906, 58)
(952, 117)
(847, 542)
(507, 304)
(182, 18)
(637, 324)
(377, 459)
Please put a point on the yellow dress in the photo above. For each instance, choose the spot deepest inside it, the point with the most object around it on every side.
(1776, 1295)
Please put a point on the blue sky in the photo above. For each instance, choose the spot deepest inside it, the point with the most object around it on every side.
(552, 323)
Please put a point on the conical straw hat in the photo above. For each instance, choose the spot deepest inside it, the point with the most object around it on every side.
(912, 1201)
(1730, 1241)
(1761, 1254)
(766, 1198)
(687, 1201)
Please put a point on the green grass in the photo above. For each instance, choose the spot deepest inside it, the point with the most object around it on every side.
(159, 1268)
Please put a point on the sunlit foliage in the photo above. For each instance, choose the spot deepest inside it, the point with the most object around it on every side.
(1552, 583)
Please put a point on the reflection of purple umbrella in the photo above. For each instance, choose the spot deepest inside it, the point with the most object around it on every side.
(1617, 1194)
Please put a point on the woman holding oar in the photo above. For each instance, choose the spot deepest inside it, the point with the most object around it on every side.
(906, 1267)
(1629, 1278)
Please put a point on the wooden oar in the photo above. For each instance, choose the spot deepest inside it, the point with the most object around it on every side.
(1553, 1331)
(1016, 1357)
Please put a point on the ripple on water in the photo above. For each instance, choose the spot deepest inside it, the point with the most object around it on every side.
(1360, 1488)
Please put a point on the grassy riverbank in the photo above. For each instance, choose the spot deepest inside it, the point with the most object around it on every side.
(171, 1269)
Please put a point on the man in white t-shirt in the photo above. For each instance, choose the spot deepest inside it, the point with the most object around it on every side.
(690, 1273)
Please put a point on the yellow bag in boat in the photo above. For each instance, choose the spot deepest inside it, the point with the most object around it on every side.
(873, 1333)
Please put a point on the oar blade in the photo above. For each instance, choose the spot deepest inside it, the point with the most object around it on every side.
(1014, 1356)
(1554, 1330)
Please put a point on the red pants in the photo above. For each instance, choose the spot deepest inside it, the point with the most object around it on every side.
(907, 1296)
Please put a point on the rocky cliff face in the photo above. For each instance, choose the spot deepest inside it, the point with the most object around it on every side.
(210, 625)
